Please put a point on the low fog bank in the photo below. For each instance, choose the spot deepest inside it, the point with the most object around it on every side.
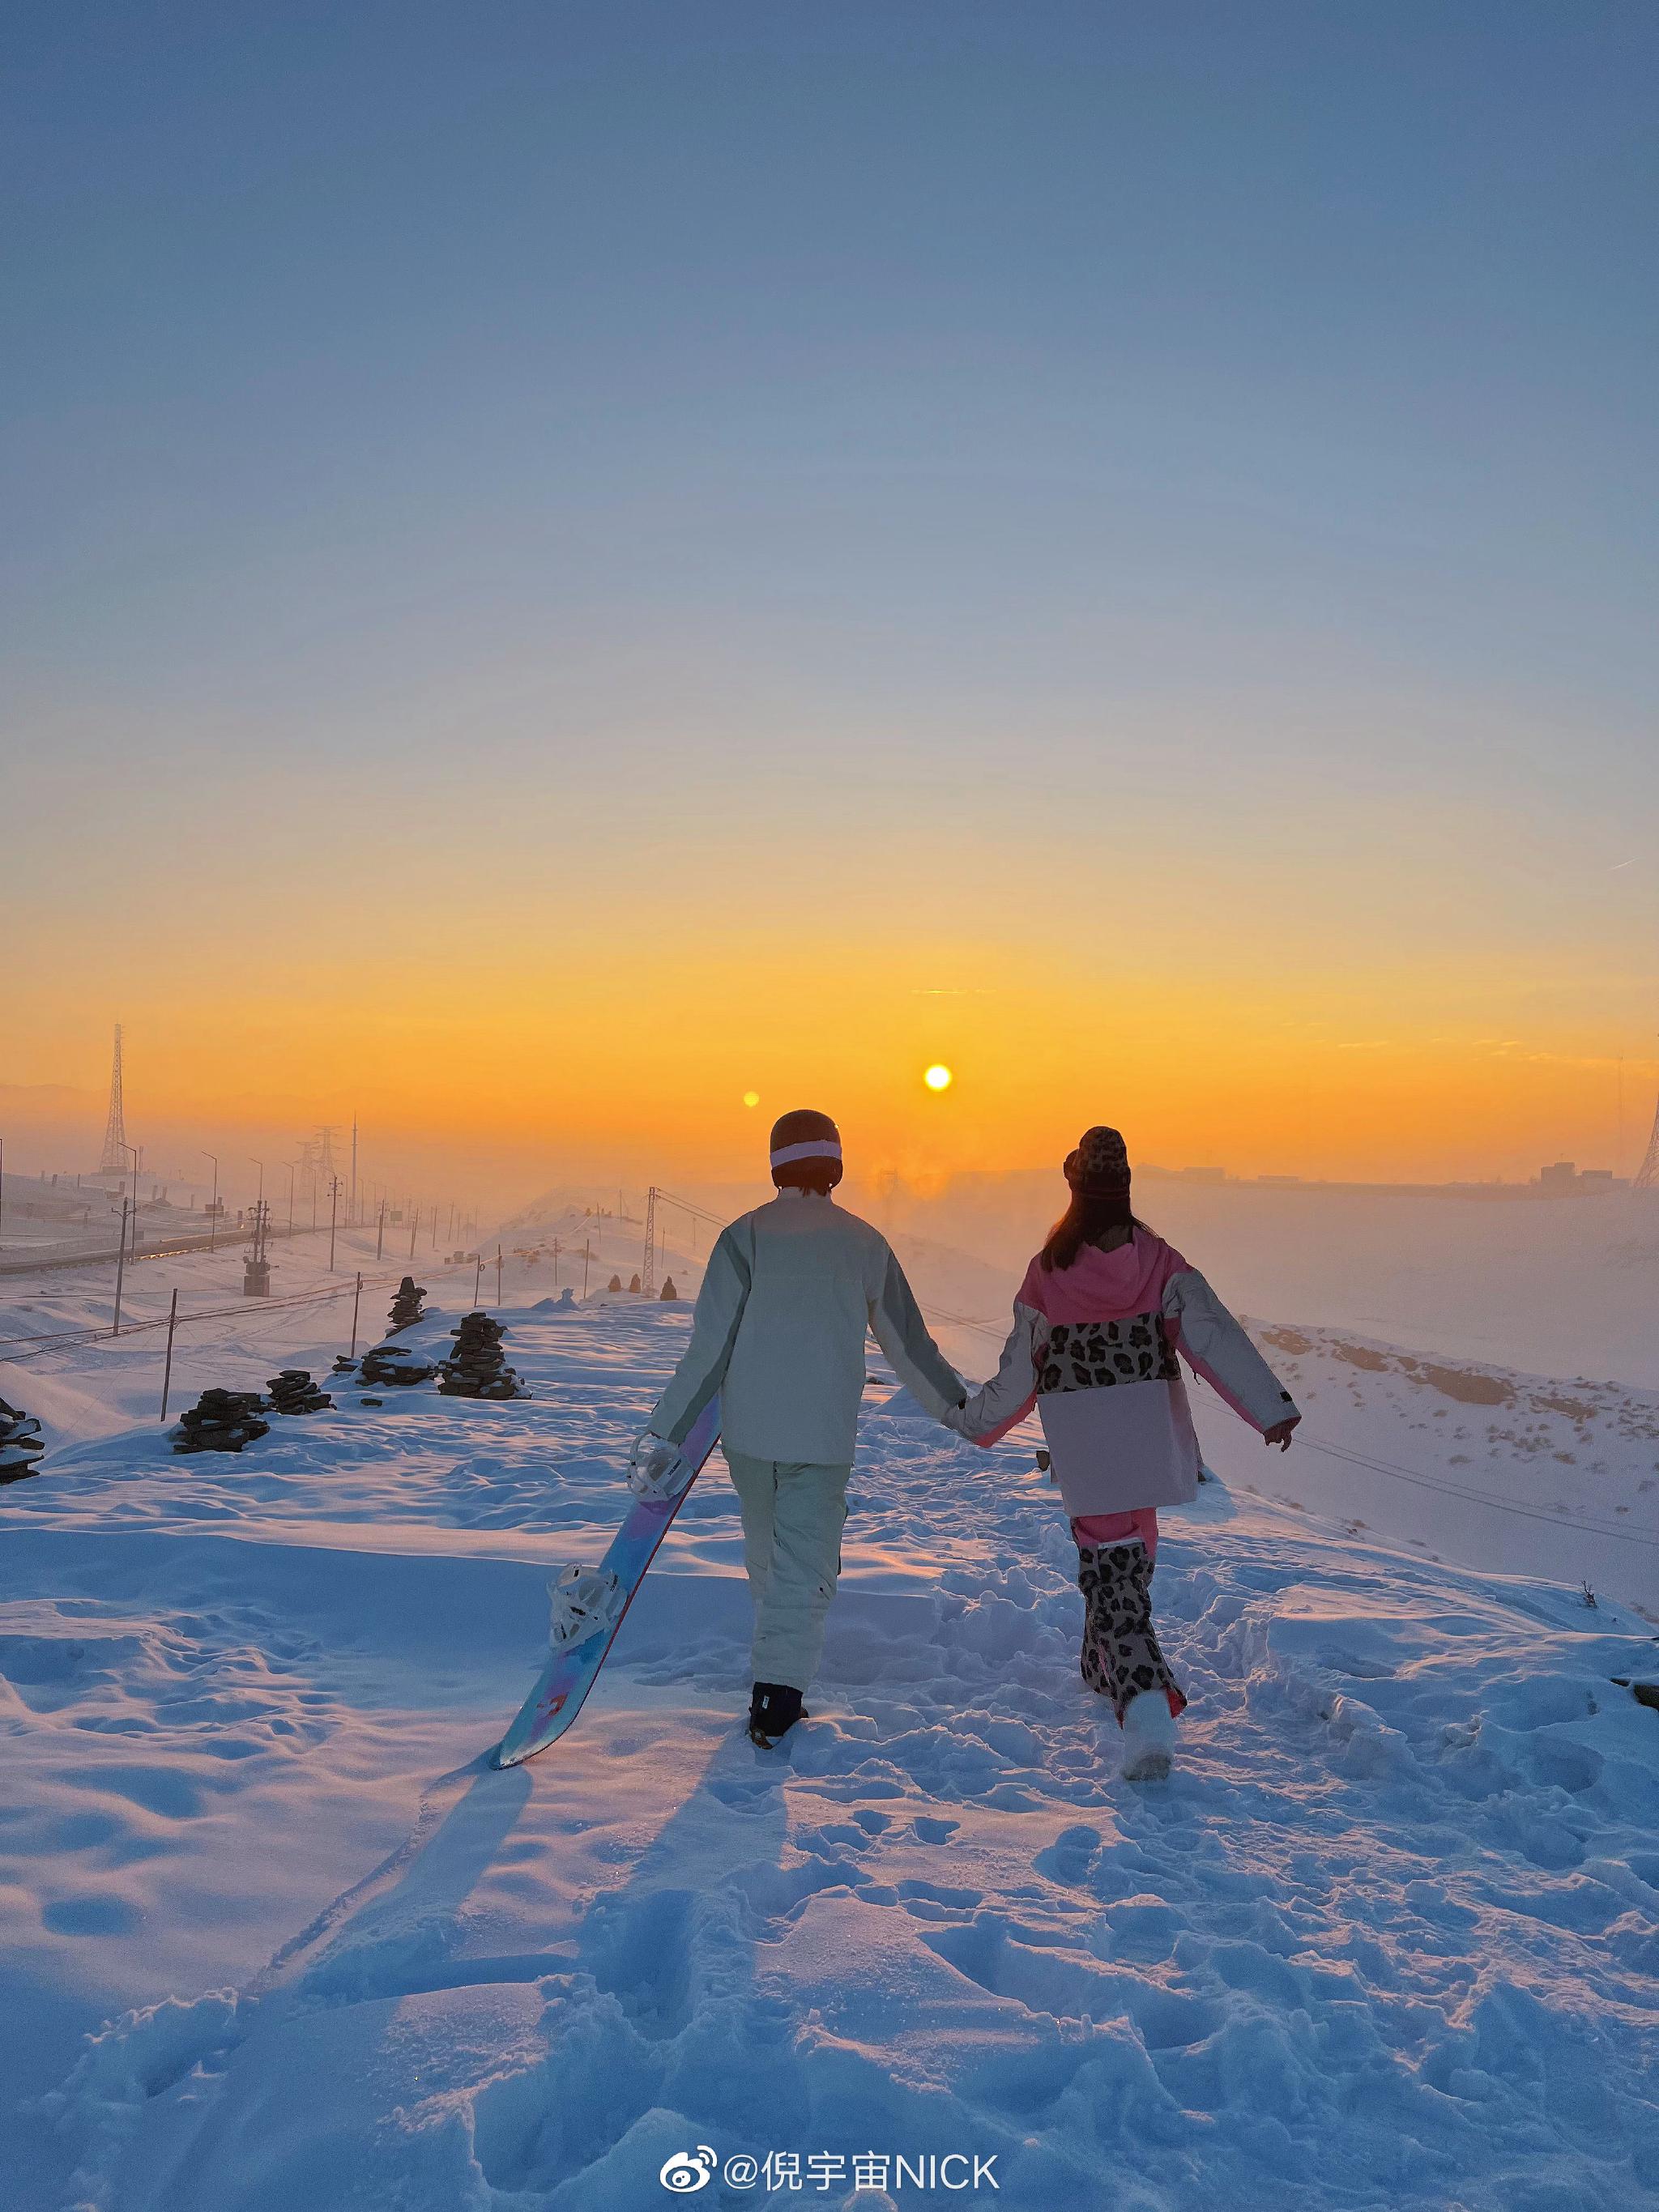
(1566, 1286)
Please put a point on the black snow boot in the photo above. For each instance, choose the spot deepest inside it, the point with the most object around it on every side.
(774, 1709)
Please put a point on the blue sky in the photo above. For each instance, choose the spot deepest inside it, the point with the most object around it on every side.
(1239, 414)
(1287, 322)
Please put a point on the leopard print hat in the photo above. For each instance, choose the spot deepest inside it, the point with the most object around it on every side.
(1099, 1168)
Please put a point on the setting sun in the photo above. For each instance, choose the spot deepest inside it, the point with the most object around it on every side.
(937, 1077)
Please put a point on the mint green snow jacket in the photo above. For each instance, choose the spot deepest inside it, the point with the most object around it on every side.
(789, 1295)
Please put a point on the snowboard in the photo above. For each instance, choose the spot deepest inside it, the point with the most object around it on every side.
(569, 1674)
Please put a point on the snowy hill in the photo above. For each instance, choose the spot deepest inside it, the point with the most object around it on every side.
(1387, 1938)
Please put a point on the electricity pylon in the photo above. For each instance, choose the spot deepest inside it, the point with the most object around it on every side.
(115, 1160)
(1647, 1175)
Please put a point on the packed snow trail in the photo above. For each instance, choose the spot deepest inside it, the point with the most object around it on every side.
(1388, 1937)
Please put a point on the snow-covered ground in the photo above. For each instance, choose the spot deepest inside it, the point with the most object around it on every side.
(275, 1935)
(81, 1390)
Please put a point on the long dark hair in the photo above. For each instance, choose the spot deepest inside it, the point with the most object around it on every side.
(1085, 1221)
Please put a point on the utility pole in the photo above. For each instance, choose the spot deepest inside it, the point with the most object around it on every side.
(587, 1254)
(290, 1166)
(213, 1211)
(333, 1216)
(351, 1210)
(380, 1234)
(498, 1275)
(120, 1269)
(133, 1148)
(477, 1279)
(648, 1273)
(357, 1299)
(261, 1166)
(167, 1372)
(414, 1231)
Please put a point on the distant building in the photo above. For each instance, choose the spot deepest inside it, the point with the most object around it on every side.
(1563, 1175)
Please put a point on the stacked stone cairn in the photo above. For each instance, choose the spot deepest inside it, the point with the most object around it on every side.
(477, 1368)
(409, 1306)
(20, 1443)
(293, 1391)
(615, 1284)
(223, 1420)
(670, 1295)
(395, 1363)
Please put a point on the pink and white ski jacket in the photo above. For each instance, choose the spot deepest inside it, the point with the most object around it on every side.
(1093, 1347)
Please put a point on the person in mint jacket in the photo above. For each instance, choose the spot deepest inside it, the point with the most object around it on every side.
(1103, 1321)
(790, 1292)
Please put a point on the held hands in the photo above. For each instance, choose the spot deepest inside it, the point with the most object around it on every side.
(1280, 1433)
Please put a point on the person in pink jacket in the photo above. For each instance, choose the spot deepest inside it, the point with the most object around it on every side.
(1105, 1314)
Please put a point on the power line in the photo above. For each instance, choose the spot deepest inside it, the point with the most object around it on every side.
(961, 1321)
(1421, 1482)
(66, 1339)
(702, 1212)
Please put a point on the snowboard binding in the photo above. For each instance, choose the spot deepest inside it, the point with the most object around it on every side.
(586, 1599)
(658, 1471)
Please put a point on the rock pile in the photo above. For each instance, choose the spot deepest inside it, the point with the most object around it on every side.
(293, 1391)
(223, 1420)
(615, 1284)
(394, 1363)
(670, 1295)
(409, 1305)
(476, 1369)
(20, 1443)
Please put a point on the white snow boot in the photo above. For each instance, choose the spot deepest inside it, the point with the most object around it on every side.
(585, 1600)
(1149, 1736)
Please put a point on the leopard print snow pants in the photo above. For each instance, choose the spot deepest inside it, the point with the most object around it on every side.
(1121, 1653)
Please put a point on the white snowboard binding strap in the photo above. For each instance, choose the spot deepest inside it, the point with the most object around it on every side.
(586, 1599)
(658, 1470)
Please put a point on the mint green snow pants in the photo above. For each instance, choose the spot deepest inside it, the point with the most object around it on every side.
(794, 1513)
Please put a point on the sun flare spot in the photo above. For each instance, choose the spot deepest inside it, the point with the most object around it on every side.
(751, 1098)
(937, 1077)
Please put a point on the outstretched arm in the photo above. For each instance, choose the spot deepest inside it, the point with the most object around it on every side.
(714, 1332)
(1009, 1394)
(1215, 1346)
(896, 1324)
